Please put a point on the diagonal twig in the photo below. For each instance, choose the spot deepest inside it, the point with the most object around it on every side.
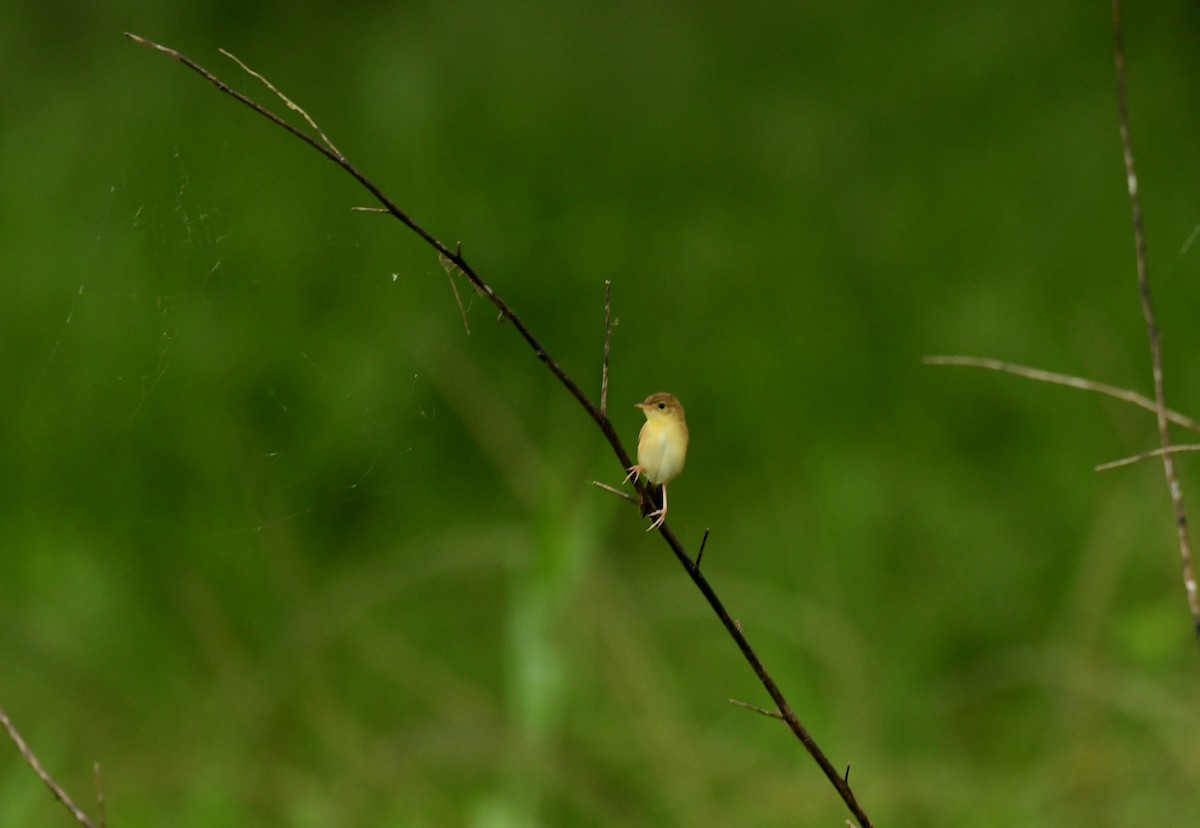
(1143, 277)
(598, 416)
(31, 759)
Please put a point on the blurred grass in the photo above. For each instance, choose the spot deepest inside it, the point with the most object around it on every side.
(284, 546)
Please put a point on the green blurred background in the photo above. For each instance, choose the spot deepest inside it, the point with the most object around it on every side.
(284, 545)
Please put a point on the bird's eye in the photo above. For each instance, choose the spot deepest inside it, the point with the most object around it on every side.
(662, 406)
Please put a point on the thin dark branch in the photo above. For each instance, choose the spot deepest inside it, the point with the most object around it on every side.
(785, 711)
(703, 543)
(1143, 277)
(598, 416)
(32, 760)
(1063, 379)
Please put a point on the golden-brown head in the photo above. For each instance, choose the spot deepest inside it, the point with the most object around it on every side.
(661, 404)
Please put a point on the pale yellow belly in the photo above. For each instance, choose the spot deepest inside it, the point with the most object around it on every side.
(661, 452)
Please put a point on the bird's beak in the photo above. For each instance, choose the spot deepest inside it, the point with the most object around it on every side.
(642, 406)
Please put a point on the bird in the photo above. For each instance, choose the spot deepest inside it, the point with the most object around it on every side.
(662, 447)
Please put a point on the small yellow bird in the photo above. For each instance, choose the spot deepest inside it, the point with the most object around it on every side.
(662, 446)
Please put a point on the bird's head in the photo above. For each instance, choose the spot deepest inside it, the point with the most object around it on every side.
(661, 405)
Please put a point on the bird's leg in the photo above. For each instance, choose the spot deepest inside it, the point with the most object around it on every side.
(661, 514)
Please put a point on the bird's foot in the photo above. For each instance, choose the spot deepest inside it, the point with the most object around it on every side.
(661, 514)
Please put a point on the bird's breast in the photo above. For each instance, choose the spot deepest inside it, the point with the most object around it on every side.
(662, 449)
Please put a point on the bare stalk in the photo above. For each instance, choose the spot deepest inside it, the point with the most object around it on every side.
(598, 415)
(31, 759)
(1143, 277)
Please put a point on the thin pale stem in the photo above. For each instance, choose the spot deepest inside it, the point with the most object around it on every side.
(1146, 455)
(1064, 379)
(611, 490)
(31, 759)
(1143, 278)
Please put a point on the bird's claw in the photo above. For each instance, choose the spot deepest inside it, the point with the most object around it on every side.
(661, 514)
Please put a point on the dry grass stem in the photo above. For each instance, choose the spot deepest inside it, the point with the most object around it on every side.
(286, 101)
(1145, 455)
(31, 759)
(1064, 379)
(1156, 363)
